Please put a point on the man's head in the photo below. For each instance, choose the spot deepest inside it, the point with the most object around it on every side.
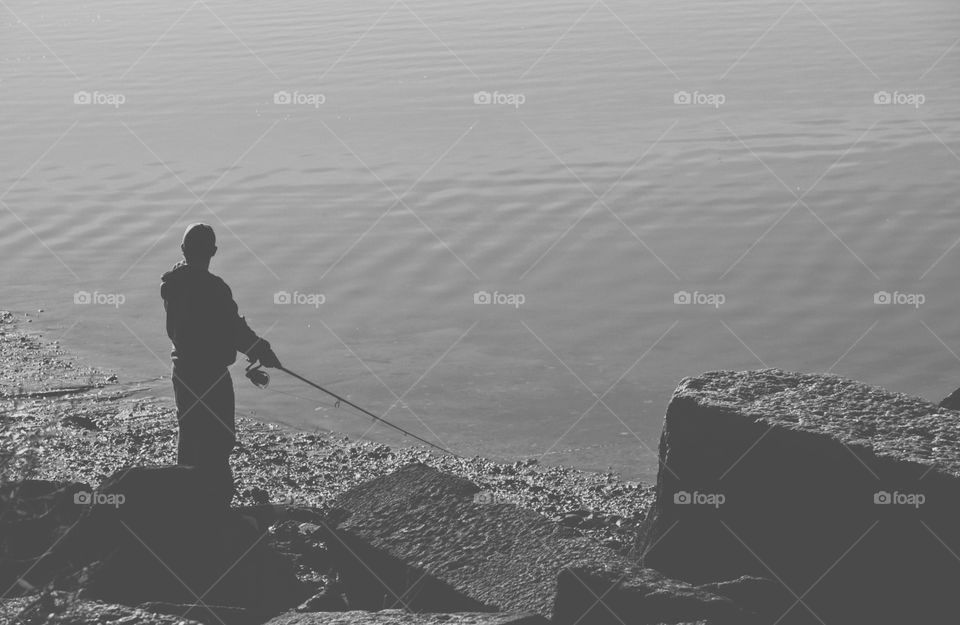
(199, 244)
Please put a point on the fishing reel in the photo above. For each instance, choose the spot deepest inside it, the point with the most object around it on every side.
(258, 376)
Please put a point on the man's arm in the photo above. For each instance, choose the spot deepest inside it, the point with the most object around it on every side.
(171, 321)
(246, 341)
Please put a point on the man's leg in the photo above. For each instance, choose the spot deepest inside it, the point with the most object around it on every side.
(205, 414)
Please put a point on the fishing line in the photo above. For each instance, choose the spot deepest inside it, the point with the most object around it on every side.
(261, 379)
(301, 397)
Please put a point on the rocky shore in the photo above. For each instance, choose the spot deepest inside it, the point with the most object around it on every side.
(782, 499)
(65, 420)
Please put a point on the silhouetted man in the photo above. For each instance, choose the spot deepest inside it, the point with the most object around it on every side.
(207, 332)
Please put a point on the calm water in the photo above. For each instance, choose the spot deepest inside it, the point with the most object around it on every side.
(783, 190)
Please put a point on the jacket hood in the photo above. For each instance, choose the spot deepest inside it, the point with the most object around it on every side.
(178, 272)
(178, 277)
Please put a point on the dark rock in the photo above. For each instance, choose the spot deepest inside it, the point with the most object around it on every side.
(34, 514)
(330, 599)
(417, 539)
(81, 422)
(399, 617)
(179, 544)
(267, 514)
(807, 466)
(161, 540)
(316, 557)
(572, 520)
(603, 594)
(157, 534)
(259, 496)
(952, 401)
(764, 597)
(202, 613)
(308, 528)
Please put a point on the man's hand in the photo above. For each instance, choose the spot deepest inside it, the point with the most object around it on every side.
(269, 359)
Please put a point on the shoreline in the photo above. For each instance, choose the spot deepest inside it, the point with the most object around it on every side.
(68, 420)
(603, 447)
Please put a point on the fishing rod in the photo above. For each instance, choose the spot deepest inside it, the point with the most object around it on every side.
(260, 379)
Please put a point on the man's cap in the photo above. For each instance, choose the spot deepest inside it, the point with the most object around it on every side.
(199, 237)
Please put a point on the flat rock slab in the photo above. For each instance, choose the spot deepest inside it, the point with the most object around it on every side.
(846, 494)
(401, 617)
(417, 539)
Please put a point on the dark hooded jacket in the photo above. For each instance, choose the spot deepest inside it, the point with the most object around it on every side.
(203, 322)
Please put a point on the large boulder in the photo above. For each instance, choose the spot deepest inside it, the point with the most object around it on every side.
(34, 511)
(34, 514)
(419, 539)
(951, 401)
(159, 534)
(845, 494)
(179, 543)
